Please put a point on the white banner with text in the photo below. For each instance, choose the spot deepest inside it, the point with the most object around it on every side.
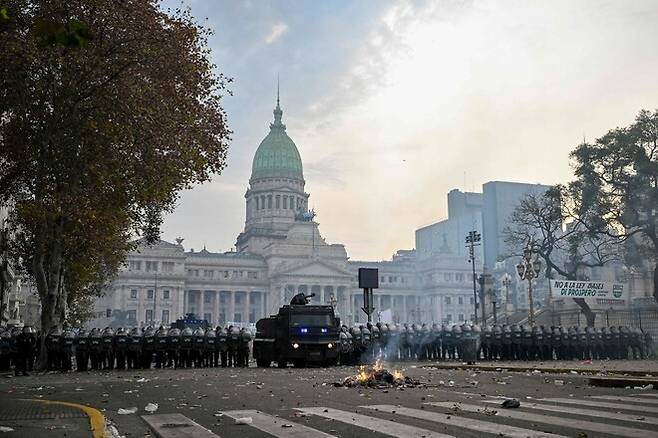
(590, 290)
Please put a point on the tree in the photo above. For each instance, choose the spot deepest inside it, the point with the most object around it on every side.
(107, 110)
(551, 221)
(619, 174)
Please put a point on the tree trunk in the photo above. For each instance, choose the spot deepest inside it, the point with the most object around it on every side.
(587, 311)
(47, 279)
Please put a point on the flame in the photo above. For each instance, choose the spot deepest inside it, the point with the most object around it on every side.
(397, 375)
(362, 376)
(378, 366)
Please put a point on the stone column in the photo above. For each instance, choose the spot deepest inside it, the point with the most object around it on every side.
(248, 305)
(404, 308)
(202, 296)
(217, 298)
(180, 296)
(231, 306)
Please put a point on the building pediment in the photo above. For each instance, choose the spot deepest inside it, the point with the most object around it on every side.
(312, 268)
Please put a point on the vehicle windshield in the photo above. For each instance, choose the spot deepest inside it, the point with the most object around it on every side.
(310, 320)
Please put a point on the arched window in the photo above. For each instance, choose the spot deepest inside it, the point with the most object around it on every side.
(262, 202)
(278, 202)
(257, 203)
(269, 201)
(285, 202)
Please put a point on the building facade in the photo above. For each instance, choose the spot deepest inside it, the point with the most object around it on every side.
(280, 253)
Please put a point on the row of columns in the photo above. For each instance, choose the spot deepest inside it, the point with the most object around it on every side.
(224, 306)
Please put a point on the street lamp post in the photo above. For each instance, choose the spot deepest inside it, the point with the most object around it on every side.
(482, 280)
(472, 240)
(507, 281)
(494, 302)
(528, 269)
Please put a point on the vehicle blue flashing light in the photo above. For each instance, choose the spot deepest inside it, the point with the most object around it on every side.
(324, 330)
(303, 330)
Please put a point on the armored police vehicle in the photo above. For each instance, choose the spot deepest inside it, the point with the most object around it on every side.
(300, 333)
(190, 320)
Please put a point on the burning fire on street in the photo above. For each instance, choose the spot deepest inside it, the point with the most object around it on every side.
(377, 376)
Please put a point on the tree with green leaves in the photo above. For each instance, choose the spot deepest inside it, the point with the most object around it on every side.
(107, 110)
(551, 222)
(618, 176)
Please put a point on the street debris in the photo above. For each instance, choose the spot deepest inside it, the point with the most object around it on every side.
(244, 420)
(126, 411)
(6, 429)
(559, 382)
(379, 377)
(644, 388)
(151, 407)
(511, 403)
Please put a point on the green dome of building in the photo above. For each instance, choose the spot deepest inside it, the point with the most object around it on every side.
(277, 156)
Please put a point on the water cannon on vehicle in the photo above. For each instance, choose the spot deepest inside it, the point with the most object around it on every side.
(301, 299)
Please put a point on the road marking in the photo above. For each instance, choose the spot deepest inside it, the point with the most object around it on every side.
(463, 422)
(625, 399)
(274, 425)
(96, 419)
(586, 412)
(645, 395)
(385, 427)
(571, 423)
(598, 404)
(176, 426)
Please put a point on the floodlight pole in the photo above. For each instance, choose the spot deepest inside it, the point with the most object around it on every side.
(472, 240)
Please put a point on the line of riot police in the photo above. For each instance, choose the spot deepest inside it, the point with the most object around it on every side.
(106, 349)
(364, 343)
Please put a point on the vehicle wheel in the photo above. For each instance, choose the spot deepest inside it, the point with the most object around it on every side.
(262, 363)
(281, 363)
(299, 363)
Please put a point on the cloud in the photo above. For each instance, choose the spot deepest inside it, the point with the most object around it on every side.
(276, 32)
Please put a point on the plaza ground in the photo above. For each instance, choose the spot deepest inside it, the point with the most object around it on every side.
(304, 402)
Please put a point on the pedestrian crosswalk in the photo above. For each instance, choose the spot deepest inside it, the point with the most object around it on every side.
(601, 415)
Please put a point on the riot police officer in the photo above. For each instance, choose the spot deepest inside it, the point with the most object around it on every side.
(24, 346)
(121, 347)
(161, 346)
(243, 347)
(209, 348)
(148, 347)
(173, 347)
(134, 354)
(54, 347)
(186, 347)
(5, 349)
(95, 341)
(109, 354)
(222, 344)
(82, 350)
(233, 344)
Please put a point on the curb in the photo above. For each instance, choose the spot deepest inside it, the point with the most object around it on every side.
(623, 382)
(96, 419)
(524, 369)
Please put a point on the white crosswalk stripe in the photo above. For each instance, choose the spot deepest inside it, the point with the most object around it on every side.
(625, 399)
(637, 418)
(275, 425)
(386, 427)
(571, 423)
(463, 422)
(598, 404)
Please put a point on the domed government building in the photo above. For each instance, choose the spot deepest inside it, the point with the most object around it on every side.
(280, 253)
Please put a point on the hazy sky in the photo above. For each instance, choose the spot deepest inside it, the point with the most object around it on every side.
(394, 103)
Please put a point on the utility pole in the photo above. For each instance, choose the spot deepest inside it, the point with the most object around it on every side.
(472, 240)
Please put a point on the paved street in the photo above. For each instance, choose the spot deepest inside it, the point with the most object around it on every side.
(304, 403)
